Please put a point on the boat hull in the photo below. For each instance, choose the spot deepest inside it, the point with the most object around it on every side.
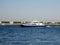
(33, 26)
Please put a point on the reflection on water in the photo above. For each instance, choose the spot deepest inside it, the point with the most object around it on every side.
(16, 35)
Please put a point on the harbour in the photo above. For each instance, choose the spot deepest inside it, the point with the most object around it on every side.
(29, 22)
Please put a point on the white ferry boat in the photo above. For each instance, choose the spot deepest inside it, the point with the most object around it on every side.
(33, 24)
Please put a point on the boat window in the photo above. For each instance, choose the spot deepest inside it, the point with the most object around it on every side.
(35, 22)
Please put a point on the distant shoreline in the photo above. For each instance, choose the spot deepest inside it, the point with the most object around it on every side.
(19, 23)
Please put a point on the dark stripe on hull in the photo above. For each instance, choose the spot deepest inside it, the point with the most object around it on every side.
(31, 26)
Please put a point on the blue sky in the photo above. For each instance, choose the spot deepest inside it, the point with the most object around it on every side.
(27, 10)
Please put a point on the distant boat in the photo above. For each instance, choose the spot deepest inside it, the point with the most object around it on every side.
(33, 24)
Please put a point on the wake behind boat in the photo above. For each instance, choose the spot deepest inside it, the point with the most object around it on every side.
(33, 24)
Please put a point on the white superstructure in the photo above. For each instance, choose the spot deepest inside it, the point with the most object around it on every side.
(33, 23)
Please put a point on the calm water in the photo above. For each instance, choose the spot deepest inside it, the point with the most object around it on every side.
(16, 35)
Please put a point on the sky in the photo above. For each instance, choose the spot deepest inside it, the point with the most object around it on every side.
(27, 10)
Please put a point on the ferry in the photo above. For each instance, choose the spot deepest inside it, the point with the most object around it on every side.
(33, 24)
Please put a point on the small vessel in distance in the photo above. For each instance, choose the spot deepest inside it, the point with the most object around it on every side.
(33, 24)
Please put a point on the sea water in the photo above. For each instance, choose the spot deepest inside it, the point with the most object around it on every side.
(17, 35)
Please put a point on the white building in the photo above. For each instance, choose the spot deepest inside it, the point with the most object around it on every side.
(11, 22)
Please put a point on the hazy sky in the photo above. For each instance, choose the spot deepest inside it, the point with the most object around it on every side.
(27, 10)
